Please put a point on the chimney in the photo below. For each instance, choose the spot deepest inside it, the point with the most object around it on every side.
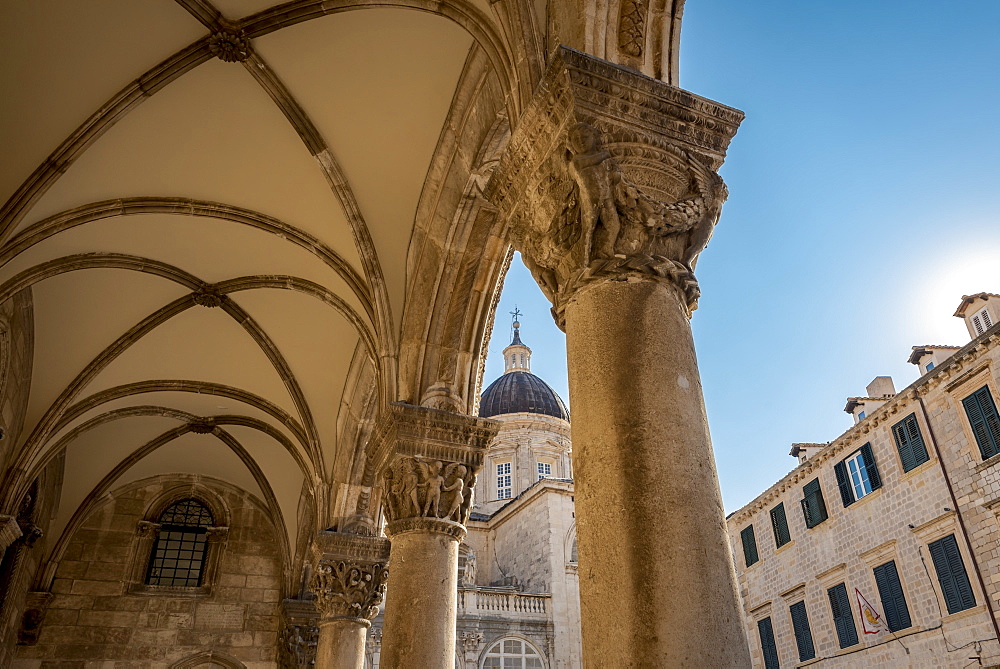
(805, 451)
(881, 386)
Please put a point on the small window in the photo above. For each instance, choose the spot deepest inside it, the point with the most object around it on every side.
(982, 322)
(544, 470)
(780, 524)
(857, 475)
(512, 654)
(178, 555)
(843, 621)
(767, 645)
(813, 506)
(890, 591)
(985, 422)
(950, 568)
(749, 545)
(929, 367)
(803, 635)
(503, 481)
(909, 443)
(861, 416)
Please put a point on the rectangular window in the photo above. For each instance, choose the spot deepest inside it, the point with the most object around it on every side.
(985, 422)
(503, 480)
(843, 621)
(766, 632)
(749, 545)
(910, 443)
(803, 636)
(982, 322)
(951, 574)
(857, 475)
(929, 367)
(813, 506)
(544, 470)
(890, 591)
(780, 524)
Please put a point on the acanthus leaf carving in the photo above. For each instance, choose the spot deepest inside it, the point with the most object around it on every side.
(349, 588)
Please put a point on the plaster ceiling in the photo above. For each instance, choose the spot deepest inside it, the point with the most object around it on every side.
(300, 228)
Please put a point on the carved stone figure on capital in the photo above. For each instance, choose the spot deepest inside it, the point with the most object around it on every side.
(608, 225)
(349, 590)
(419, 488)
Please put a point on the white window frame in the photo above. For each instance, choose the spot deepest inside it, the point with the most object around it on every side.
(504, 480)
(857, 475)
(982, 322)
(544, 470)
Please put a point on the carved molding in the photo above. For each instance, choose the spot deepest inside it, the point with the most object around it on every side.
(610, 173)
(349, 575)
(10, 531)
(471, 641)
(428, 461)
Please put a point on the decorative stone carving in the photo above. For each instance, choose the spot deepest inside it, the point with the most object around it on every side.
(349, 575)
(230, 45)
(610, 173)
(298, 645)
(202, 426)
(429, 460)
(375, 639)
(632, 27)
(36, 604)
(471, 640)
(208, 296)
(146, 529)
(10, 531)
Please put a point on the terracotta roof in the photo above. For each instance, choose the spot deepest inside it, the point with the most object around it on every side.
(969, 299)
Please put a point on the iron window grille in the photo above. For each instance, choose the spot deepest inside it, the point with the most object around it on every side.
(178, 557)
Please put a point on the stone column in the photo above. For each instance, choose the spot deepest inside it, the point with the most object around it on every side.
(349, 576)
(428, 460)
(610, 189)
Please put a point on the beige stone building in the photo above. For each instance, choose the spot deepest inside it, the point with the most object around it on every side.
(882, 547)
(250, 254)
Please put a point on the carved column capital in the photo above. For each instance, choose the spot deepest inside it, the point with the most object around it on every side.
(145, 529)
(609, 175)
(428, 461)
(349, 575)
(10, 531)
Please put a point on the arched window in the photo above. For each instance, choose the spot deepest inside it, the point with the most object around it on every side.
(511, 653)
(178, 556)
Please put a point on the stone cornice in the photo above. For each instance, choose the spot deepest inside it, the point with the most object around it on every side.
(955, 368)
(414, 431)
(536, 490)
(335, 545)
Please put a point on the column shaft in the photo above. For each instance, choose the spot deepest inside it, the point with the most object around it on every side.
(341, 644)
(419, 628)
(657, 585)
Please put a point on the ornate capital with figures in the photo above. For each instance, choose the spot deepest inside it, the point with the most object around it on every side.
(610, 174)
(349, 575)
(428, 460)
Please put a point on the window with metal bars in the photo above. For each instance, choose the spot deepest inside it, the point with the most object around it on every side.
(178, 556)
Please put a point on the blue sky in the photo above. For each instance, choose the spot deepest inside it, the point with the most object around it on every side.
(864, 202)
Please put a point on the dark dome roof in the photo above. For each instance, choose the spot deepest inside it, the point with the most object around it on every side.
(521, 392)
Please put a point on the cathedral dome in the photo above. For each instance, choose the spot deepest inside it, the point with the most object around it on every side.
(518, 390)
(521, 392)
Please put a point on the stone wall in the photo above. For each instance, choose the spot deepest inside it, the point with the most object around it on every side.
(895, 522)
(93, 616)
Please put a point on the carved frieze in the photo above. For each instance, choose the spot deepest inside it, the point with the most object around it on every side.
(428, 460)
(611, 173)
(298, 646)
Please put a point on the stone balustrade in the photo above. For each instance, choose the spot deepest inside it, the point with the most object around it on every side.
(498, 601)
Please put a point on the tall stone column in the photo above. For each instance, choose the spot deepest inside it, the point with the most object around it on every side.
(428, 461)
(610, 189)
(349, 577)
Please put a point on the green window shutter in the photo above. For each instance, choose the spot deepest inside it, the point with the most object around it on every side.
(951, 574)
(843, 621)
(985, 422)
(766, 632)
(803, 636)
(890, 591)
(844, 483)
(813, 506)
(869, 459)
(749, 545)
(910, 443)
(780, 524)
